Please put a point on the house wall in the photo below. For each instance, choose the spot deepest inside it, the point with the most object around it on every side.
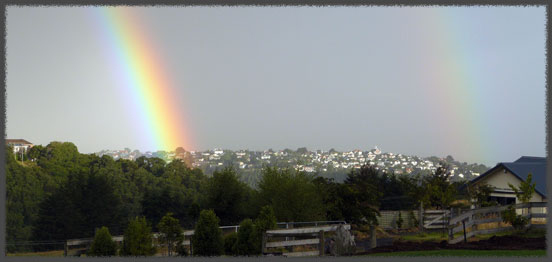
(500, 179)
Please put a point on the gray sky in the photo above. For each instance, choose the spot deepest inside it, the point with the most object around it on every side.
(467, 82)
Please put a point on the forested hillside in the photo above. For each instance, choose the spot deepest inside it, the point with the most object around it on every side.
(57, 193)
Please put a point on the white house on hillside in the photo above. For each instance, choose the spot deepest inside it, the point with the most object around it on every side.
(19, 145)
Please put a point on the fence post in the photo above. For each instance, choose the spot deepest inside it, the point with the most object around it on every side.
(65, 249)
(464, 227)
(292, 225)
(530, 213)
(421, 217)
(191, 247)
(321, 242)
(472, 219)
(264, 243)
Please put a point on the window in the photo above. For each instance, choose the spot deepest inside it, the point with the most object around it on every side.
(503, 200)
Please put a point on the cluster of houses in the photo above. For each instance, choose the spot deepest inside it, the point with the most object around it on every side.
(499, 177)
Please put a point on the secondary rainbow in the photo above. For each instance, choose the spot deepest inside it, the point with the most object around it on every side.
(455, 85)
(139, 66)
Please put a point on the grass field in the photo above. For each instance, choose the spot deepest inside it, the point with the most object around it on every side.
(466, 253)
(530, 233)
(432, 236)
(438, 236)
(54, 253)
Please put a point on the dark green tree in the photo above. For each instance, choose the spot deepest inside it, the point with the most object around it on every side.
(194, 211)
(170, 230)
(480, 195)
(363, 191)
(26, 188)
(266, 220)
(103, 244)
(229, 243)
(154, 165)
(137, 240)
(83, 203)
(438, 190)
(292, 195)
(226, 194)
(207, 238)
(245, 244)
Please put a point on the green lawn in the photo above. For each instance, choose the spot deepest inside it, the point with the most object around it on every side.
(433, 236)
(438, 236)
(465, 253)
(533, 233)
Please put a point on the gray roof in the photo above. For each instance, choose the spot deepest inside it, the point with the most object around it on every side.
(536, 166)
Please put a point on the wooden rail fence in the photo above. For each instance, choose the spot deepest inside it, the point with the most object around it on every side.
(83, 244)
(468, 222)
(317, 238)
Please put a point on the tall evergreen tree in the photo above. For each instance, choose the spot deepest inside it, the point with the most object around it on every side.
(137, 240)
(207, 239)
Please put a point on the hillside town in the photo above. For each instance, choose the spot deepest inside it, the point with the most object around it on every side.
(318, 161)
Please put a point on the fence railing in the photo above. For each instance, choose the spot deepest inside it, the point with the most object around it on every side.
(84, 243)
(316, 235)
(469, 221)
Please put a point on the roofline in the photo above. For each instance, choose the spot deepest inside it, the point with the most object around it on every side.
(505, 167)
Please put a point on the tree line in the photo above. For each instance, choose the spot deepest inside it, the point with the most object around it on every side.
(57, 193)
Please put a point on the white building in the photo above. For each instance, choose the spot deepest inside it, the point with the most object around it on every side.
(19, 145)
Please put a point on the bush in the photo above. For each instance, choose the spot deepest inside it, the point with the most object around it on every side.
(517, 221)
(103, 244)
(265, 221)
(413, 219)
(137, 240)
(171, 231)
(207, 238)
(245, 245)
(399, 221)
(229, 243)
(180, 249)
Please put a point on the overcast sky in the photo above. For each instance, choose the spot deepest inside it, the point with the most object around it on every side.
(467, 82)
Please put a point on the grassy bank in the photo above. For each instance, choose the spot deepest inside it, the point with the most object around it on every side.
(54, 253)
(438, 236)
(466, 253)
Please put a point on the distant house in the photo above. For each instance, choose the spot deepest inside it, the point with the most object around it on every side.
(19, 145)
(513, 173)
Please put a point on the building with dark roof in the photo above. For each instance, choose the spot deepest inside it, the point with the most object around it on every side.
(514, 173)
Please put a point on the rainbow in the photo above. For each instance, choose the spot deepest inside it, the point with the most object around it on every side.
(455, 86)
(139, 68)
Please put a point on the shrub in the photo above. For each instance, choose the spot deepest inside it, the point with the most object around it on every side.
(245, 245)
(399, 221)
(413, 219)
(137, 240)
(171, 231)
(517, 221)
(265, 221)
(229, 243)
(103, 244)
(180, 249)
(207, 238)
